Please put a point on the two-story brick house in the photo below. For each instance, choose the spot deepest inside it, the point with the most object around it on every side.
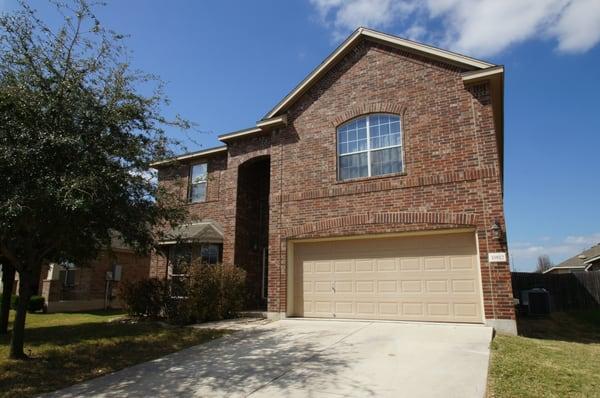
(373, 190)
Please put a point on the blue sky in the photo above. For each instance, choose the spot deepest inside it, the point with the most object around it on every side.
(226, 63)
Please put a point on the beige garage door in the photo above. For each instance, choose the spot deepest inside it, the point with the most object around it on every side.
(422, 278)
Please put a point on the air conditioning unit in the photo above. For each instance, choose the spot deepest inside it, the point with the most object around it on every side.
(116, 272)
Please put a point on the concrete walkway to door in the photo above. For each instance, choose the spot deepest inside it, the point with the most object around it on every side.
(314, 358)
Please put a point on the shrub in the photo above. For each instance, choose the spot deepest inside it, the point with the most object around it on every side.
(208, 293)
(177, 310)
(36, 303)
(215, 292)
(144, 298)
(233, 291)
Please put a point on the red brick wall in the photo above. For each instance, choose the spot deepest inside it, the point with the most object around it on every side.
(452, 176)
(90, 280)
(177, 180)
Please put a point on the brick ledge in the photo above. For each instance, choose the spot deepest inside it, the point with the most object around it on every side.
(383, 218)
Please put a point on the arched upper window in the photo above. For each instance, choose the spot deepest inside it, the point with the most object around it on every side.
(370, 145)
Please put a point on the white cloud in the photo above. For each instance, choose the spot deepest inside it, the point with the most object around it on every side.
(477, 27)
(578, 29)
(524, 254)
(583, 239)
(345, 16)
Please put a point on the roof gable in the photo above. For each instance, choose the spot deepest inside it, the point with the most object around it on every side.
(468, 63)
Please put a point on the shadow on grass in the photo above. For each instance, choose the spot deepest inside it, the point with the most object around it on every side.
(576, 326)
(65, 355)
(78, 333)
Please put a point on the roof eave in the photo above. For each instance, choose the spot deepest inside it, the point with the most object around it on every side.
(565, 267)
(188, 156)
(262, 126)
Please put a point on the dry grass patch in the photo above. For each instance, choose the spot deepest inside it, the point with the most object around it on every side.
(72, 347)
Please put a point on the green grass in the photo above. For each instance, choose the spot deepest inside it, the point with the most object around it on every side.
(557, 356)
(68, 348)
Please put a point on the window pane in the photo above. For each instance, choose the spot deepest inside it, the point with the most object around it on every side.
(353, 166)
(210, 253)
(387, 133)
(352, 146)
(198, 192)
(386, 161)
(362, 145)
(352, 136)
(199, 173)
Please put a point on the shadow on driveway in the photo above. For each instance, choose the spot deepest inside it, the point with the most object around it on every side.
(237, 365)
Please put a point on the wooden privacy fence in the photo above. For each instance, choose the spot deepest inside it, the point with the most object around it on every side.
(574, 291)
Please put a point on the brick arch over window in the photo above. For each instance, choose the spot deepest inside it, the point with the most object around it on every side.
(400, 217)
(366, 108)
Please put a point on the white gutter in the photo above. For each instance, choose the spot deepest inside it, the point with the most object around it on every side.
(192, 155)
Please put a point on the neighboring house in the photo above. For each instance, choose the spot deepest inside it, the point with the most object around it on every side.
(69, 287)
(587, 260)
(373, 190)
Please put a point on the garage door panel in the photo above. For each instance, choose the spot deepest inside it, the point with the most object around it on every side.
(323, 286)
(411, 286)
(387, 286)
(421, 278)
(463, 286)
(410, 264)
(366, 308)
(436, 286)
(323, 307)
(343, 266)
(364, 266)
(386, 265)
(308, 287)
(322, 267)
(466, 263)
(435, 264)
(363, 287)
(412, 309)
(342, 287)
(465, 310)
(438, 309)
(344, 308)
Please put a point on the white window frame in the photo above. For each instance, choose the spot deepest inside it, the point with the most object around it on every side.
(192, 183)
(369, 150)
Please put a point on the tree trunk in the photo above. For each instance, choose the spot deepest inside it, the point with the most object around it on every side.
(18, 330)
(8, 281)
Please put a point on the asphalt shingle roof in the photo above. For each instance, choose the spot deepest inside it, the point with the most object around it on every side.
(577, 261)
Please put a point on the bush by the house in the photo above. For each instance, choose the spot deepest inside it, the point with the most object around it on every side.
(144, 298)
(215, 292)
(207, 293)
(36, 303)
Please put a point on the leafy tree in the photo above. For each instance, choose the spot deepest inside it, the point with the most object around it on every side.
(543, 263)
(77, 135)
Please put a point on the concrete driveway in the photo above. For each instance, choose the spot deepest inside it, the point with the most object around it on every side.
(314, 358)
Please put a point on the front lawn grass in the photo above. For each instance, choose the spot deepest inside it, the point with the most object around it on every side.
(68, 348)
(558, 356)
